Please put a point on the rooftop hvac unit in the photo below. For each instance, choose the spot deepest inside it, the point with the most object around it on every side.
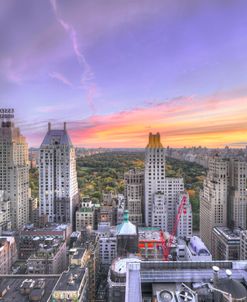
(184, 295)
(165, 296)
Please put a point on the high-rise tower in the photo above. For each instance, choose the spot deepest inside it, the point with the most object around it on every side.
(161, 192)
(58, 189)
(134, 195)
(213, 198)
(154, 175)
(14, 172)
(237, 204)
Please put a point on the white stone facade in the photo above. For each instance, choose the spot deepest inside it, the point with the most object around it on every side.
(213, 199)
(134, 195)
(161, 192)
(58, 188)
(238, 193)
(14, 172)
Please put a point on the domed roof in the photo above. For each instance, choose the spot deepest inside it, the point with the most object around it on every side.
(198, 246)
(233, 287)
(126, 228)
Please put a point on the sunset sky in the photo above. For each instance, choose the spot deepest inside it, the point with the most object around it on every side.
(116, 70)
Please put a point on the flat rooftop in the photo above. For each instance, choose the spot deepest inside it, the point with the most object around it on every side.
(230, 234)
(70, 280)
(14, 283)
(78, 253)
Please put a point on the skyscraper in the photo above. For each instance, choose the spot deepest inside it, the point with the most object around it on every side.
(58, 189)
(154, 176)
(223, 201)
(237, 204)
(14, 172)
(213, 198)
(134, 195)
(161, 192)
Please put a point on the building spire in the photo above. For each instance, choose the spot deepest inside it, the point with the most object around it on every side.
(154, 141)
(126, 216)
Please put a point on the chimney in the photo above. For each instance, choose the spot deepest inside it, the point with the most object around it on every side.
(64, 126)
(216, 275)
(49, 126)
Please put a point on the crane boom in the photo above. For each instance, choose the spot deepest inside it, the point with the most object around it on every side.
(167, 245)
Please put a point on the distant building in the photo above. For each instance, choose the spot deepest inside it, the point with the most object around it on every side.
(5, 218)
(134, 195)
(161, 193)
(87, 256)
(30, 237)
(120, 209)
(185, 224)
(14, 176)
(107, 213)
(127, 237)
(154, 175)
(85, 216)
(72, 286)
(107, 243)
(226, 243)
(58, 189)
(49, 258)
(8, 254)
(33, 207)
(237, 208)
(150, 243)
(27, 288)
(243, 245)
(213, 199)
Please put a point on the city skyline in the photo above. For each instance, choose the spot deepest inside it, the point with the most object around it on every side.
(117, 71)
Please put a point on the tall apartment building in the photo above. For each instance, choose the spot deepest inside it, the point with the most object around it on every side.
(58, 189)
(154, 175)
(14, 172)
(237, 204)
(134, 195)
(213, 199)
(161, 193)
(223, 201)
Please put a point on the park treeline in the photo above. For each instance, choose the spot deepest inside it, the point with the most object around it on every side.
(105, 172)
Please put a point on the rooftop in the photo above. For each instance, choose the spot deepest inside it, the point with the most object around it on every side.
(71, 279)
(126, 228)
(57, 137)
(14, 283)
(229, 234)
(78, 253)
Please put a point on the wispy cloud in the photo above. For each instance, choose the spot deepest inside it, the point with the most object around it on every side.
(87, 74)
(60, 77)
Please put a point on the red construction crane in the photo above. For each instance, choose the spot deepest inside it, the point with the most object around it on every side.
(166, 246)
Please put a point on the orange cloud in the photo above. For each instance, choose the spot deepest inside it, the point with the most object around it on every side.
(212, 122)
